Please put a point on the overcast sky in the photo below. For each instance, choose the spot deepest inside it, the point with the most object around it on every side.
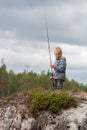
(23, 38)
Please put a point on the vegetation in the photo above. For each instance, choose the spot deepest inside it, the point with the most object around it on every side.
(11, 82)
(40, 99)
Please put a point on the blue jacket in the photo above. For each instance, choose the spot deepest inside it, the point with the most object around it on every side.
(60, 68)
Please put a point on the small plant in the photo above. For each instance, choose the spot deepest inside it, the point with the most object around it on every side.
(39, 99)
(7, 98)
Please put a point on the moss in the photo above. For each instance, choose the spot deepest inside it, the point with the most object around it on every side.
(40, 99)
(7, 98)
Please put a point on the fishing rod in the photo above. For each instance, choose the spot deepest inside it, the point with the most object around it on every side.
(48, 41)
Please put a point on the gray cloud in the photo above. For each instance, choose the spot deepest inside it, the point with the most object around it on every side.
(23, 32)
(66, 23)
(32, 3)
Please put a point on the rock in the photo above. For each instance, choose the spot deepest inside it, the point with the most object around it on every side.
(48, 121)
(29, 124)
(7, 124)
(16, 117)
(10, 112)
(76, 117)
(49, 127)
(1, 124)
(72, 126)
(17, 122)
(23, 110)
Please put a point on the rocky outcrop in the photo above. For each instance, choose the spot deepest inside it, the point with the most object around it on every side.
(14, 115)
(18, 118)
(13, 119)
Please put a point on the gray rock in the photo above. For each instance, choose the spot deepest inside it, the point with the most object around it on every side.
(1, 124)
(10, 112)
(23, 110)
(17, 122)
(50, 127)
(7, 124)
(17, 118)
(29, 124)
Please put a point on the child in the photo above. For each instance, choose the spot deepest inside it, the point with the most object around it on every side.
(59, 68)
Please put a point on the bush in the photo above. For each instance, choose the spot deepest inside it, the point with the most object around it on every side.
(39, 99)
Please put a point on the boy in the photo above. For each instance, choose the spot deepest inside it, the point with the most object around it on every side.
(59, 68)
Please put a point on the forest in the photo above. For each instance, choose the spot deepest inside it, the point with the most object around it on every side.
(11, 82)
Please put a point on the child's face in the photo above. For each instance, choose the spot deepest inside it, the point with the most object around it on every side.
(57, 53)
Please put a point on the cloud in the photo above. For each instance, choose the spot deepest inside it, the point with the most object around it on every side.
(66, 23)
(23, 36)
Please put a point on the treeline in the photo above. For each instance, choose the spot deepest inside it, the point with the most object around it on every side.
(11, 82)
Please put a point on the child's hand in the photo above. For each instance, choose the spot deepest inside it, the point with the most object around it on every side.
(52, 65)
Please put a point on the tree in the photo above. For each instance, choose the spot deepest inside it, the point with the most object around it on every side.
(3, 80)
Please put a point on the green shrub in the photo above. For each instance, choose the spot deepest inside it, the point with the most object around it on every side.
(39, 99)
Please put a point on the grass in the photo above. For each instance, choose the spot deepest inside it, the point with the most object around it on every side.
(40, 99)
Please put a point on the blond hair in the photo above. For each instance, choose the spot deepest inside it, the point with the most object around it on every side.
(58, 49)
